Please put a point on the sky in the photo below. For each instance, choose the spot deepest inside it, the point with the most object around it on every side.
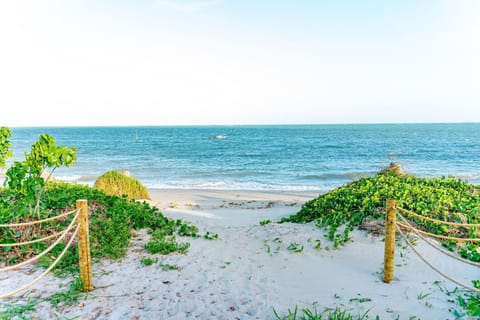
(214, 62)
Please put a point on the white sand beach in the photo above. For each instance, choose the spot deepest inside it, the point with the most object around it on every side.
(249, 270)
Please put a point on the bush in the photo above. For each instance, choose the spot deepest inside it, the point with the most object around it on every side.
(115, 183)
(446, 199)
(112, 222)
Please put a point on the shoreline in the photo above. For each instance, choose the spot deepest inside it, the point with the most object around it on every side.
(228, 207)
(164, 197)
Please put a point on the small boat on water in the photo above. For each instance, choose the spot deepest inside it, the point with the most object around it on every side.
(218, 137)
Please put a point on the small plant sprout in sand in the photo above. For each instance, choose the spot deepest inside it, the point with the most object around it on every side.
(295, 247)
(147, 261)
(211, 236)
(16, 310)
(265, 222)
(360, 300)
(422, 295)
(168, 267)
(327, 314)
(69, 296)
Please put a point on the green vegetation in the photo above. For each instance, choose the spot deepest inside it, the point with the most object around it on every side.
(165, 244)
(113, 219)
(470, 303)
(210, 236)
(295, 247)
(327, 314)
(5, 144)
(16, 310)
(112, 222)
(147, 261)
(265, 222)
(347, 207)
(445, 199)
(168, 267)
(69, 296)
(28, 178)
(115, 183)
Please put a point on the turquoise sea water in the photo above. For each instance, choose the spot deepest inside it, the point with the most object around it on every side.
(293, 157)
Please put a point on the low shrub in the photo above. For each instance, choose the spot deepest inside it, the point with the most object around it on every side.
(115, 183)
(112, 222)
(446, 199)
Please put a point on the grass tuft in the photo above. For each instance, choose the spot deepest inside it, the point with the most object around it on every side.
(327, 314)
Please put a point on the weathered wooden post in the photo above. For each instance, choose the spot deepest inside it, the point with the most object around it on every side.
(84, 246)
(389, 241)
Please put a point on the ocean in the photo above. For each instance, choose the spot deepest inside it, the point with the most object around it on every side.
(283, 157)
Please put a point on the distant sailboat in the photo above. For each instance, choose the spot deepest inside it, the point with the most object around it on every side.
(136, 136)
(219, 137)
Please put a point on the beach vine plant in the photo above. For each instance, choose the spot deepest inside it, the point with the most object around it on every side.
(470, 303)
(113, 221)
(345, 208)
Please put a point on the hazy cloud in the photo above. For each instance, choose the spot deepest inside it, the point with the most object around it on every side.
(189, 5)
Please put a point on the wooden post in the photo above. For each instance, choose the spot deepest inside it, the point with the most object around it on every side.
(389, 241)
(84, 246)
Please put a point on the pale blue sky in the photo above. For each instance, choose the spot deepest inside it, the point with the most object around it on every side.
(168, 62)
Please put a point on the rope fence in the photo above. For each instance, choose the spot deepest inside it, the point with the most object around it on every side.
(392, 225)
(31, 283)
(31, 223)
(438, 236)
(457, 224)
(79, 225)
(16, 244)
(417, 232)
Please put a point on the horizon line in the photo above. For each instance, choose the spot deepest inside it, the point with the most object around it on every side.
(241, 125)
